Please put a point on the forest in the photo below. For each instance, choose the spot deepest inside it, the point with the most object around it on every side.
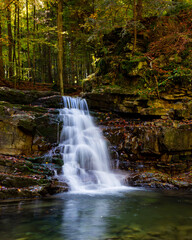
(58, 43)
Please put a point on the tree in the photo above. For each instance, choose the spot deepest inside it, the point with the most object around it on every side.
(28, 53)
(139, 9)
(60, 44)
(135, 25)
(2, 73)
(10, 38)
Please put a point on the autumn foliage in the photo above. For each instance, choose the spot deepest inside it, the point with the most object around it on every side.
(171, 35)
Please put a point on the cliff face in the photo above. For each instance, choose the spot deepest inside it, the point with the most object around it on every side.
(27, 124)
(175, 106)
(29, 128)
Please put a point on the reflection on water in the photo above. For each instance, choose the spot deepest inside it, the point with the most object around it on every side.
(78, 220)
(132, 215)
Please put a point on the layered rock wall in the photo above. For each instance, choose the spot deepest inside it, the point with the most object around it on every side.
(28, 124)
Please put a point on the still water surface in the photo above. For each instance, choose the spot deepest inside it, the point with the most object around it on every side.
(135, 214)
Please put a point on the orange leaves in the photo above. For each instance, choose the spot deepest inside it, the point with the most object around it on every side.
(171, 35)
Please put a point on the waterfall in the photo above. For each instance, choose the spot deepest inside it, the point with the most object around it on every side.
(84, 150)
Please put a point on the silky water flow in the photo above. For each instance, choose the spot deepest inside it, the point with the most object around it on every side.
(84, 151)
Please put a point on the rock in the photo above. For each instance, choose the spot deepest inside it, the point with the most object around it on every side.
(176, 139)
(22, 97)
(19, 129)
(13, 141)
(54, 187)
(27, 125)
(161, 148)
(21, 178)
(54, 101)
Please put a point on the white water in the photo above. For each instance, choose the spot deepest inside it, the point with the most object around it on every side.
(86, 166)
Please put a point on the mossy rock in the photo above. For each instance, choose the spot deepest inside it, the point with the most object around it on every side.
(54, 101)
(27, 125)
(58, 161)
(18, 194)
(176, 139)
(3, 112)
(35, 109)
(22, 97)
(38, 160)
(18, 181)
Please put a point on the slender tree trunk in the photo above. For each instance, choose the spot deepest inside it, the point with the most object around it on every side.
(60, 45)
(44, 63)
(39, 50)
(139, 9)
(34, 30)
(14, 46)
(2, 72)
(72, 64)
(28, 54)
(50, 65)
(10, 40)
(15, 37)
(135, 27)
(18, 42)
(49, 57)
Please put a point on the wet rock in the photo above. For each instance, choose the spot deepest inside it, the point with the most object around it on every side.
(54, 187)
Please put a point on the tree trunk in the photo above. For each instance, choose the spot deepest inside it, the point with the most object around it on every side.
(135, 26)
(18, 43)
(72, 64)
(2, 72)
(28, 54)
(10, 40)
(139, 9)
(49, 56)
(14, 45)
(60, 45)
(34, 29)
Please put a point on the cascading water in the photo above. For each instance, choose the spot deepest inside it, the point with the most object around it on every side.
(84, 151)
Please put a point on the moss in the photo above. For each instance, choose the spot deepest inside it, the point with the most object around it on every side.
(32, 109)
(27, 125)
(102, 66)
(128, 66)
(13, 181)
(58, 161)
(2, 112)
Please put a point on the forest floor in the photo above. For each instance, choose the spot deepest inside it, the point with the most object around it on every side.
(26, 85)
